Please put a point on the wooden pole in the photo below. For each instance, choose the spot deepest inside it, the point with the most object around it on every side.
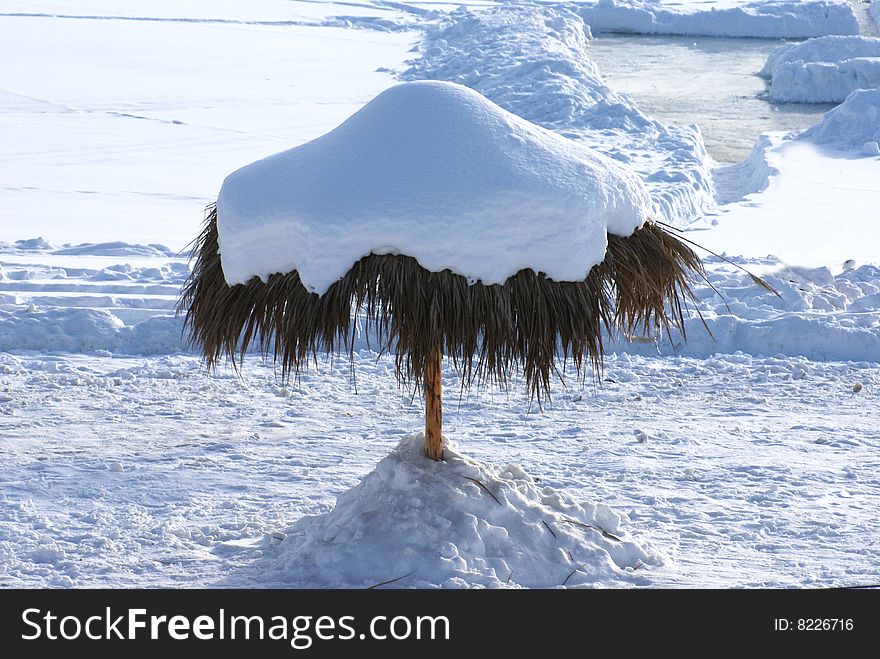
(434, 406)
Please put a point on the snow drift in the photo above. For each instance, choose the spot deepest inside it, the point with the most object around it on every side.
(785, 18)
(457, 523)
(854, 124)
(819, 315)
(435, 171)
(52, 309)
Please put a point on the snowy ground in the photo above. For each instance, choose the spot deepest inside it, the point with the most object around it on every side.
(123, 464)
(133, 147)
(124, 472)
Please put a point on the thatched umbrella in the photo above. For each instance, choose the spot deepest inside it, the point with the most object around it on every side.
(453, 228)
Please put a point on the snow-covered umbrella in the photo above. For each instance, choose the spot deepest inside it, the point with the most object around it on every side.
(448, 226)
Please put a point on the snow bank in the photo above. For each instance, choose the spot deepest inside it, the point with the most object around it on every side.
(26, 245)
(78, 299)
(819, 316)
(121, 309)
(786, 18)
(457, 523)
(435, 171)
(854, 124)
(535, 62)
(116, 248)
(824, 82)
(83, 330)
(823, 70)
(821, 49)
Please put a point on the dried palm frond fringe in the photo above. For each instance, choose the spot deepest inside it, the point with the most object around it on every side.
(488, 332)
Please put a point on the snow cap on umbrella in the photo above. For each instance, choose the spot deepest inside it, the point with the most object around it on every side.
(449, 224)
(435, 171)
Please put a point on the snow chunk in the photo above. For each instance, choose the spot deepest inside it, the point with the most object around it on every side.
(854, 124)
(435, 171)
(457, 523)
(823, 70)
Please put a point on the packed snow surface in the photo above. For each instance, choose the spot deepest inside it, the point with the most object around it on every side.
(731, 18)
(132, 118)
(435, 171)
(823, 70)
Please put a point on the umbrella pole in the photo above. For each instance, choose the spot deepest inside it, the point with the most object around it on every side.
(434, 406)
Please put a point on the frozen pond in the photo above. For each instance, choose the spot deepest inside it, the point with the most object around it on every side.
(703, 80)
(709, 81)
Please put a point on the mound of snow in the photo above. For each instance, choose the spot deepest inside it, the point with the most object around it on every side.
(457, 523)
(435, 171)
(785, 18)
(32, 245)
(84, 330)
(29, 245)
(823, 70)
(854, 124)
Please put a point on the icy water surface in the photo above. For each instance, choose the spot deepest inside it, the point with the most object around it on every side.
(708, 81)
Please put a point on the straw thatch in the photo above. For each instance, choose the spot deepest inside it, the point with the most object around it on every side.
(488, 332)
